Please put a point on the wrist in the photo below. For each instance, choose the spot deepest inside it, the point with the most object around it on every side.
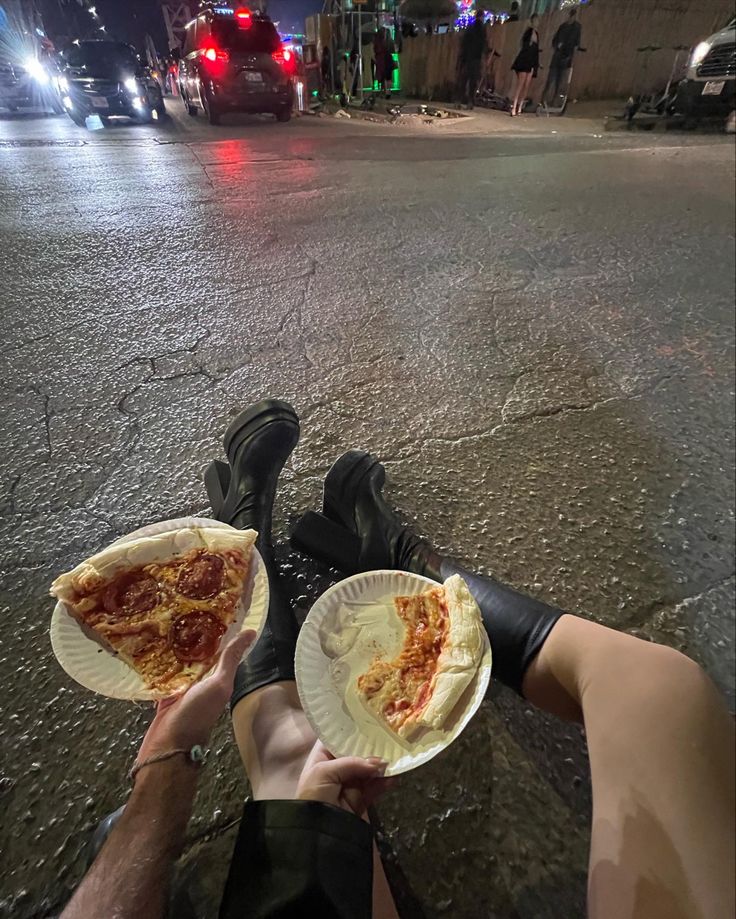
(176, 773)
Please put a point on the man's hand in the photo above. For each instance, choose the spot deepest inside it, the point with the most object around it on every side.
(187, 719)
(349, 782)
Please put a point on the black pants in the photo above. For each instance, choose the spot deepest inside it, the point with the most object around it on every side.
(469, 82)
(557, 79)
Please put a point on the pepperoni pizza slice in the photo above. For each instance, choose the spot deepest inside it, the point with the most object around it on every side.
(442, 650)
(162, 603)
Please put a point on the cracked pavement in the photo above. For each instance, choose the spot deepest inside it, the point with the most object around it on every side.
(535, 333)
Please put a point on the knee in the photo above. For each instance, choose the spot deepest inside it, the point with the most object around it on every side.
(681, 683)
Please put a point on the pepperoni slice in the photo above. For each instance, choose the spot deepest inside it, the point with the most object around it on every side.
(131, 593)
(195, 636)
(201, 578)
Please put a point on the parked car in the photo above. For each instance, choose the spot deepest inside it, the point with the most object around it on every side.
(28, 83)
(107, 78)
(233, 60)
(709, 87)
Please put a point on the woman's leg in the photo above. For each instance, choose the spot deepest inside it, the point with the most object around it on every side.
(660, 739)
(661, 746)
(517, 91)
(525, 83)
(274, 739)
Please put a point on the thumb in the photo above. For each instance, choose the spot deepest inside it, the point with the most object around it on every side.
(232, 654)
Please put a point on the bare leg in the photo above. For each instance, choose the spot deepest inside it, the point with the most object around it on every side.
(661, 748)
(525, 84)
(517, 92)
(274, 739)
(522, 83)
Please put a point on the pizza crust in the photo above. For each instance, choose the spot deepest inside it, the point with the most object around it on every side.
(459, 659)
(95, 571)
(400, 685)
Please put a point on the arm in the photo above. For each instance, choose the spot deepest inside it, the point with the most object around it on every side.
(130, 877)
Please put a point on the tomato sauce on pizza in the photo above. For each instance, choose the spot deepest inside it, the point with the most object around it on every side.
(164, 618)
(441, 652)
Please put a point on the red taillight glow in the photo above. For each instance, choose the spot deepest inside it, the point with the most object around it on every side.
(215, 55)
(243, 18)
(285, 59)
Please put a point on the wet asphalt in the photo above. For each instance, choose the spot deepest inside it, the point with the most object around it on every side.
(534, 333)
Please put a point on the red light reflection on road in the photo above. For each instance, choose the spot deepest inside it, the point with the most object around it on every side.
(234, 163)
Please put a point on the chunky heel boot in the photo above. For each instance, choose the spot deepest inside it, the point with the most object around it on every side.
(358, 531)
(241, 492)
(217, 483)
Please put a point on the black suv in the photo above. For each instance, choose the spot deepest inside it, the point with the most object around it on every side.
(233, 60)
(107, 78)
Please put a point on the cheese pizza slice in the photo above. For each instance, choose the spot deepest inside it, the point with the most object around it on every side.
(442, 650)
(162, 603)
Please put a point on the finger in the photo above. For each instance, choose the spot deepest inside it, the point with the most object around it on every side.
(348, 770)
(232, 654)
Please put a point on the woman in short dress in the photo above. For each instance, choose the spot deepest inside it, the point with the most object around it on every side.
(526, 64)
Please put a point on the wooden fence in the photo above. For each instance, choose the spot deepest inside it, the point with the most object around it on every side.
(612, 31)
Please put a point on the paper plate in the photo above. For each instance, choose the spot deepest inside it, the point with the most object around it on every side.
(345, 629)
(94, 668)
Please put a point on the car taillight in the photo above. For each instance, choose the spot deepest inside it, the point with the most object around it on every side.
(215, 55)
(285, 59)
(243, 18)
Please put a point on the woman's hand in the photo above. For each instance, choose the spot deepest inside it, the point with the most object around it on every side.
(349, 782)
(187, 719)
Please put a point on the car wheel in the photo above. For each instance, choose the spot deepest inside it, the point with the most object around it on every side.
(160, 110)
(188, 105)
(145, 116)
(210, 108)
(78, 118)
(284, 114)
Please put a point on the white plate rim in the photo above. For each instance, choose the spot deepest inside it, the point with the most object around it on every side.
(482, 677)
(153, 529)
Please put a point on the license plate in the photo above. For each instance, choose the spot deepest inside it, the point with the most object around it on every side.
(99, 101)
(253, 77)
(713, 89)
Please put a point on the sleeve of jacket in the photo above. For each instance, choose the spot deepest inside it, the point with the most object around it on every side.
(299, 859)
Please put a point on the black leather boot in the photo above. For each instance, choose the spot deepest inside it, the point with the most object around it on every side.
(358, 531)
(257, 444)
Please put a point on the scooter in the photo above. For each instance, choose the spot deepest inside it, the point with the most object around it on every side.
(560, 101)
(662, 102)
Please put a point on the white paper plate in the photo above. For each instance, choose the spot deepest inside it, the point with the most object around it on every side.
(94, 668)
(345, 629)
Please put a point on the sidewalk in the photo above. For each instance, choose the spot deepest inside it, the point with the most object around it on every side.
(580, 118)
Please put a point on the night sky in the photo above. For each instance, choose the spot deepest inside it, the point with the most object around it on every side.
(130, 20)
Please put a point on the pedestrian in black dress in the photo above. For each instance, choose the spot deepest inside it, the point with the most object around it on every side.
(526, 64)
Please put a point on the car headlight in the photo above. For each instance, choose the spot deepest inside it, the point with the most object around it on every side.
(699, 53)
(36, 70)
(131, 85)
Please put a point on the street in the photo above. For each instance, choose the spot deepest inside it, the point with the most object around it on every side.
(533, 329)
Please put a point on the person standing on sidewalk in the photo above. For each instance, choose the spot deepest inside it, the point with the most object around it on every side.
(473, 48)
(565, 43)
(526, 65)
